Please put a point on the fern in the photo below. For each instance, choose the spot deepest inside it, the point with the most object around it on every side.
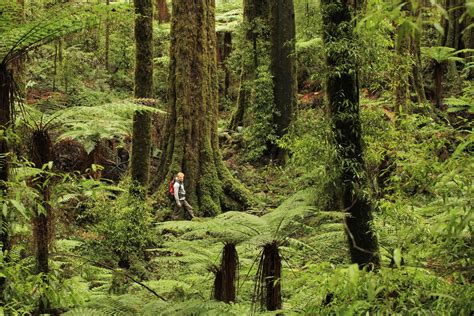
(60, 21)
(91, 125)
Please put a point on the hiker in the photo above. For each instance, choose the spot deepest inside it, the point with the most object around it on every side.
(180, 196)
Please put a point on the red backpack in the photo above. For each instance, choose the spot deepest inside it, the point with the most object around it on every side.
(171, 188)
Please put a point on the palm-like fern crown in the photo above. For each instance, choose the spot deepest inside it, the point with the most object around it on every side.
(16, 40)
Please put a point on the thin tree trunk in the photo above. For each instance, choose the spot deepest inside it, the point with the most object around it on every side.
(438, 79)
(283, 70)
(227, 51)
(107, 36)
(252, 10)
(226, 275)
(191, 143)
(141, 138)
(270, 277)
(41, 154)
(5, 123)
(343, 102)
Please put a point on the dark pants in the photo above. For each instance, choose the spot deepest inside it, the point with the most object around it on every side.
(179, 210)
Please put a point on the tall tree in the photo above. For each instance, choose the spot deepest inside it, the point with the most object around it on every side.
(141, 138)
(409, 77)
(283, 69)
(343, 96)
(191, 140)
(278, 20)
(107, 36)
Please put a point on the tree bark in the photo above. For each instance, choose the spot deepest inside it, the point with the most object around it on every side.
(107, 36)
(163, 15)
(283, 70)
(343, 102)
(279, 18)
(191, 143)
(410, 77)
(41, 153)
(141, 138)
(253, 10)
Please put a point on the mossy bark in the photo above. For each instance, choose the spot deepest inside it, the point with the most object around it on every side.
(454, 28)
(191, 143)
(343, 102)
(409, 77)
(279, 19)
(107, 37)
(254, 11)
(141, 138)
(224, 49)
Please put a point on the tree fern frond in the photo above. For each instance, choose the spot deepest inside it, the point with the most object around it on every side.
(59, 21)
(81, 311)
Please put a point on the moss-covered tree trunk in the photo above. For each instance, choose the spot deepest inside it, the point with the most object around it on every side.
(283, 68)
(163, 15)
(224, 49)
(270, 35)
(254, 13)
(107, 36)
(191, 143)
(141, 138)
(409, 77)
(343, 97)
(454, 28)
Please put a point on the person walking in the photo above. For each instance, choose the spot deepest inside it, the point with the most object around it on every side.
(179, 194)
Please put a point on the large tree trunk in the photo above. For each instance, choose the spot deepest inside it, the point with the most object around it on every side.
(163, 15)
(191, 143)
(41, 153)
(141, 138)
(283, 70)
(343, 97)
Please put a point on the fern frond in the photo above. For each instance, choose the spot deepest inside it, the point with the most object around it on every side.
(58, 22)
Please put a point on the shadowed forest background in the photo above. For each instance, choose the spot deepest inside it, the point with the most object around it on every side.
(327, 147)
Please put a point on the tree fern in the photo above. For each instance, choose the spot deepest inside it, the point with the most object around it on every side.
(90, 125)
(16, 40)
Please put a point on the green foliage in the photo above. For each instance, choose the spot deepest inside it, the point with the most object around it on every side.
(124, 233)
(91, 125)
(55, 24)
(441, 54)
(347, 290)
(262, 131)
